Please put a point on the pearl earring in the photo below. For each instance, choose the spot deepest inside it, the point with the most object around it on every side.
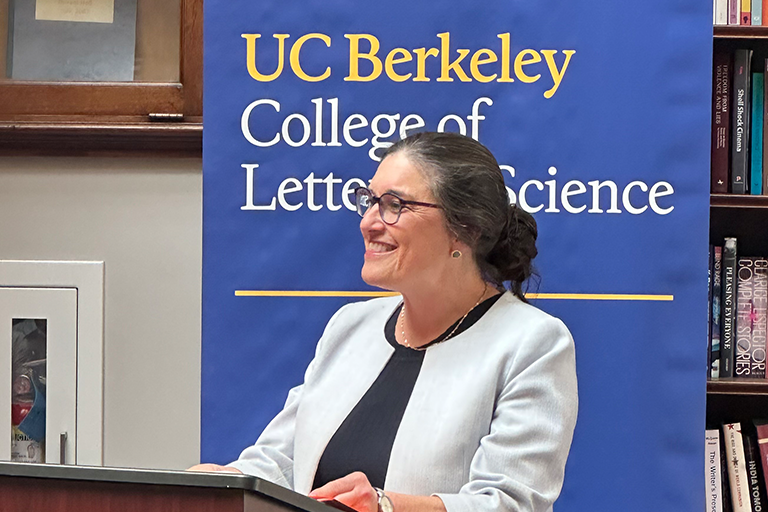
(456, 254)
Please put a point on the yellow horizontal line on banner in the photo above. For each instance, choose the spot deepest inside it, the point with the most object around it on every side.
(551, 296)
(310, 293)
(599, 296)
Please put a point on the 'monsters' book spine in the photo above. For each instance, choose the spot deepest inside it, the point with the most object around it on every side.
(760, 304)
(750, 360)
(712, 461)
(728, 307)
(757, 12)
(737, 471)
(746, 12)
(740, 121)
(754, 472)
(721, 121)
(761, 426)
(733, 12)
(717, 276)
(756, 150)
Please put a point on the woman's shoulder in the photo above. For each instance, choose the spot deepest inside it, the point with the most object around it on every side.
(512, 318)
(373, 312)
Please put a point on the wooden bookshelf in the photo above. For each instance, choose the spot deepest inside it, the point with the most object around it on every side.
(737, 201)
(746, 218)
(738, 32)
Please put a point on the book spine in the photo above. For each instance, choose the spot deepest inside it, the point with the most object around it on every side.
(721, 12)
(746, 12)
(724, 481)
(727, 305)
(717, 276)
(737, 472)
(754, 472)
(762, 444)
(757, 12)
(756, 167)
(721, 121)
(709, 310)
(760, 304)
(765, 131)
(712, 461)
(750, 359)
(733, 12)
(740, 121)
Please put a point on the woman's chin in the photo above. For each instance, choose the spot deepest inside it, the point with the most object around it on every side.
(374, 278)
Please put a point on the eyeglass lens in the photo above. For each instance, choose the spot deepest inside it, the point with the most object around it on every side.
(389, 205)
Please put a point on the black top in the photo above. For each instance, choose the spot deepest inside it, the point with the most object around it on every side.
(364, 440)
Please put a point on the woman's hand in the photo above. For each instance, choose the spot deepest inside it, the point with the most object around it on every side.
(353, 490)
(214, 468)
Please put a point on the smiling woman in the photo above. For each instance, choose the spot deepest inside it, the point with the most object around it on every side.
(456, 396)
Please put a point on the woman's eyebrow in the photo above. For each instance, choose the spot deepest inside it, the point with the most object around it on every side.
(399, 193)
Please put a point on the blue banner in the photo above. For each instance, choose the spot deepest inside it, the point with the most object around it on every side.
(599, 114)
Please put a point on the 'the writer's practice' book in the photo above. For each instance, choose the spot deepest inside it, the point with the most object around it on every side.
(742, 75)
(737, 471)
(721, 121)
(728, 309)
(712, 465)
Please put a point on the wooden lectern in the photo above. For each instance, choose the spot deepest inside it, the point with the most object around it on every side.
(56, 488)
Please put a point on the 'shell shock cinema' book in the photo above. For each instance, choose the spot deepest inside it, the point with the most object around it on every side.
(742, 75)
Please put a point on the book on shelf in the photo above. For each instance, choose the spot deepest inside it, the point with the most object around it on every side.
(756, 135)
(742, 75)
(727, 308)
(750, 350)
(737, 471)
(761, 432)
(746, 12)
(715, 294)
(712, 464)
(757, 12)
(754, 470)
(733, 12)
(721, 121)
(721, 12)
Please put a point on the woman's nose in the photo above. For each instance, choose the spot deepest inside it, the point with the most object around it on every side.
(371, 220)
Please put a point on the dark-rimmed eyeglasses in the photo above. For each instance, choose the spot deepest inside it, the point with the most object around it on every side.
(390, 206)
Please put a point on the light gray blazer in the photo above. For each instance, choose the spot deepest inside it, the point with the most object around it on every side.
(487, 428)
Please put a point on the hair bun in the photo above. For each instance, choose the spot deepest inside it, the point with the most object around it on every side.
(512, 256)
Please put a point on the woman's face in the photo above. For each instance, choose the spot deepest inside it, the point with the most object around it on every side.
(415, 251)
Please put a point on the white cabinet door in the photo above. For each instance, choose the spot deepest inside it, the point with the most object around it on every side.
(54, 310)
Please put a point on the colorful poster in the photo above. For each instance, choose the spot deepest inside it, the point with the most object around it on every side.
(599, 116)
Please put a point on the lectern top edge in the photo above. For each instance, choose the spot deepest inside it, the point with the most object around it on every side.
(163, 477)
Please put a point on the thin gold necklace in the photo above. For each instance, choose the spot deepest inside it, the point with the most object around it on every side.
(402, 322)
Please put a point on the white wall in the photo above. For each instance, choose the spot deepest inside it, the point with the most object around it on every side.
(143, 217)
